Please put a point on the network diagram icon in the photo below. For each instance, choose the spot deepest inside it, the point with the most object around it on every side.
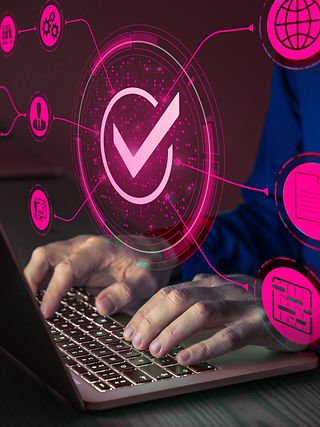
(291, 32)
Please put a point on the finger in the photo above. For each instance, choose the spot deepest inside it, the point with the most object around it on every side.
(147, 324)
(202, 315)
(70, 272)
(236, 335)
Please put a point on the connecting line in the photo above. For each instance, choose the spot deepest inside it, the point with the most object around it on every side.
(84, 21)
(236, 184)
(18, 114)
(185, 68)
(70, 122)
(27, 30)
(227, 279)
(82, 206)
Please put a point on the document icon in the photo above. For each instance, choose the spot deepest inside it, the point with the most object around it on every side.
(307, 196)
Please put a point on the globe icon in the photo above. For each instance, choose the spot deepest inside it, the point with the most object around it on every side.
(297, 23)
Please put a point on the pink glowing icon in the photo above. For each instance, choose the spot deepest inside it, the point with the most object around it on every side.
(293, 28)
(135, 162)
(292, 304)
(50, 25)
(8, 34)
(301, 198)
(39, 117)
(40, 209)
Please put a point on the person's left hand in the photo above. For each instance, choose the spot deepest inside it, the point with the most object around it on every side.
(177, 312)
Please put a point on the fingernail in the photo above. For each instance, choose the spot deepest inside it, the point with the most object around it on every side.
(155, 347)
(108, 305)
(128, 332)
(184, 357)
(137, 339)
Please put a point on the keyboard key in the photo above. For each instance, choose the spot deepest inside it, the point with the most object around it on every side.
(79, 369)
(91, 345)
(99, 333)
(102, 320)
(113, 327)
(203, 366)
(101, 352)
(77, 352)
(81, 322)
(108, 374)
(97, 367)
(85, 360)
(120, 346)
(156, 372)
(108, 340)
(119, 382)
(65, 327)
(75, 332)
(68, 361)
(101, 386)
(59, 338)
(179, 370)
(111, 360)
(140, 361)
(123, 367)
(90, 378)
(83, 338)
(175, 350)
(148, 354)
(128, 354)
(138, 377)
(72, 315)
(89, 328)
(66, 345)
(165, 361)
(118, 333)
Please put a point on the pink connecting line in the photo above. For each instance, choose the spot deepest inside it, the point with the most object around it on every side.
(18, 114)
(185, 68)
(227, 279)
(27, 30)
(259, 190)
(84, 21)
(82, 206)
(62, 119)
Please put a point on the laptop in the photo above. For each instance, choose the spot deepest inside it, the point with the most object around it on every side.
(82, 357)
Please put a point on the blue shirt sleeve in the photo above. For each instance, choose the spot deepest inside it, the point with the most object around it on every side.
(242, 240)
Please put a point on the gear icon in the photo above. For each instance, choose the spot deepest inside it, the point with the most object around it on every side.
(53, 16)
(54, 31)
(46, 27)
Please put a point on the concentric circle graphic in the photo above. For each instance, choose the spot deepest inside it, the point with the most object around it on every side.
(290, 30)
(147, 136)
(289, 295)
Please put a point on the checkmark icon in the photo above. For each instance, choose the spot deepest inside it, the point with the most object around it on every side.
(135, 162)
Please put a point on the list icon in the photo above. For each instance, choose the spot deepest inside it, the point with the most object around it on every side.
(39, 117)
(8, 34)
(40, 210)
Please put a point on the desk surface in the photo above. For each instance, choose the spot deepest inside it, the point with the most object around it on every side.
(292, 400)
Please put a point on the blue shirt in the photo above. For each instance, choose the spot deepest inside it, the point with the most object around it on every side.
(243, 240)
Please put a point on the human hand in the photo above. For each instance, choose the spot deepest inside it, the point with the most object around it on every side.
(177, 312)
(95, 262)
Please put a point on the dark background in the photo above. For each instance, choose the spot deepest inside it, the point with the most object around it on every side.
(236, 66)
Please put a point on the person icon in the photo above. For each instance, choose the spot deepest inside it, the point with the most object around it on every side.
(38, 123)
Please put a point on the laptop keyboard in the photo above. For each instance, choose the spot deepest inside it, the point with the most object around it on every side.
(93, 346)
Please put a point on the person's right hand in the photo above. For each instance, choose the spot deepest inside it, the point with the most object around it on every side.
(95, 262)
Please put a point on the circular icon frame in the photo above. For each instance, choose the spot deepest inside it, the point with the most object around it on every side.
(287, 294)
(47, 25)
(9, 16)
(120, 51)
(32, 115)
(292, 58)
(42, 196)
